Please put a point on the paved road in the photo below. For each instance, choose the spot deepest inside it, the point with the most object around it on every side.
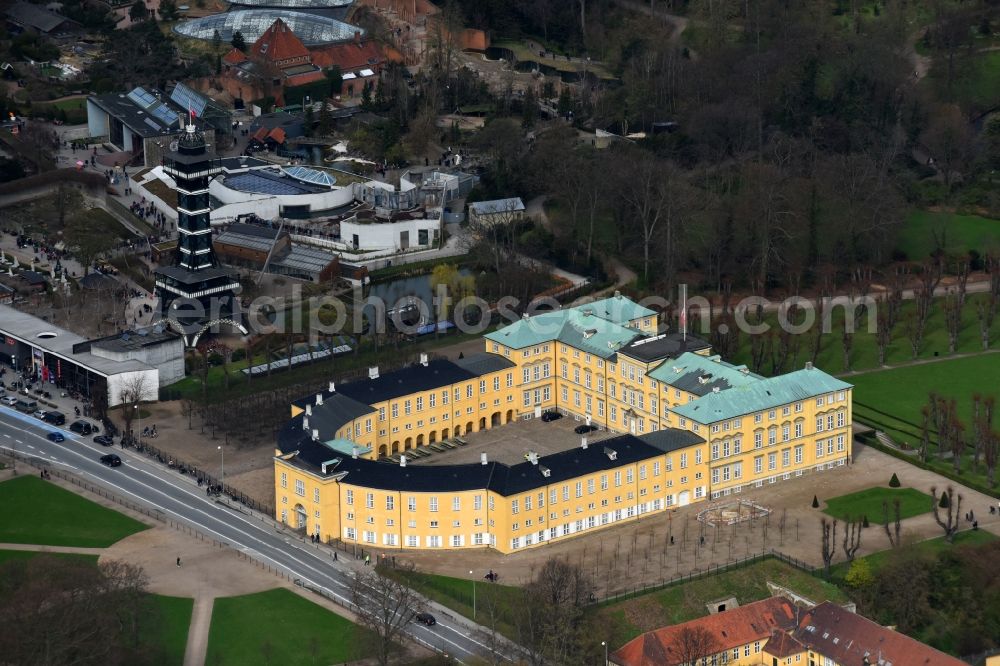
(178, 498)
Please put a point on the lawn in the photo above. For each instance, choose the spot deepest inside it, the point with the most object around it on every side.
(9, 555)
(280, 627)
(456, 593)
(686, 600)
(927, 547)
(960, 233)
(869, 503)
(39, 512)
(173, 616)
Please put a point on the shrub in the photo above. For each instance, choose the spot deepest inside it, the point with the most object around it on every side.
(815, 502)
(894, 481)
(864, 521)
(943, 503)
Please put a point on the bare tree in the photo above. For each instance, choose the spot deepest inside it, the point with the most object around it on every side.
(925, 433)
(952, 511)
(893, 533)
(550, 620)
(952, 307)
(695, 644)
(852, 538)
(131, 392)
(385, 607)
(883, 332)
(829, 542)
(987, 310)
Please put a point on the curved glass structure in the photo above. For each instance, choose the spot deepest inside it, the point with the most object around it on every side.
(311, 29)
(296, 4)
(313, 176)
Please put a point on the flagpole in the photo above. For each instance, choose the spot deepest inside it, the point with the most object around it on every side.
(684, 298)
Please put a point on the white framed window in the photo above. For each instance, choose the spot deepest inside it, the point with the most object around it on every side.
(300, 487)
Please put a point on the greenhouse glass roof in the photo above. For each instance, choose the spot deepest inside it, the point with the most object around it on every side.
(252, 23)
(314, 176)
(298, 4)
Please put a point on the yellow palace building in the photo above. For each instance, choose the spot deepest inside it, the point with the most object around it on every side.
(691, 427)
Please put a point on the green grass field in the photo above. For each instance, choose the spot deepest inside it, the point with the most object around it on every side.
(864, 354)
(686, 601)
(456, 593)
(869, 503)
(890, 400)
(174, 620)
(927, 547)
(280, 627)
(9, 555)
(35, 511)
(960, 233)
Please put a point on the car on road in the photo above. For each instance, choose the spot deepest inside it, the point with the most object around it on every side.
(56, 437)
(40, 414)
(551, 416)
(9, 400)
(103, 440)
(584, 429)
(111, 460)
(81, 427)
(55, 418)
(426, 619)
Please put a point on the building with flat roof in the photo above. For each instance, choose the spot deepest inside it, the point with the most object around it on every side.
(603, 363)
(96, 368)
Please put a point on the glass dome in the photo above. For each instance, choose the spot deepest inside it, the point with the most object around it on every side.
(299, 4)
(251, 23)
(314, 176)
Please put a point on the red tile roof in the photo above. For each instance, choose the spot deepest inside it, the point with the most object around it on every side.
(260, 135)
(847, 638)
(305, 77)
(279, 43)
(746, 624)
(234, 57)
(277, 135)
(782, 645)
(350, 56)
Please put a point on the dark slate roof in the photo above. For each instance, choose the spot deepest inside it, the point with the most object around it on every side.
(671, 439)
(484, 363)
(415, 378)
(98, 281)
(335, 411)
(667, 345)
(36, 17)
(31, 277)
(502, 479)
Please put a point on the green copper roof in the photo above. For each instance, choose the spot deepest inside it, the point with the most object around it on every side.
(701, 375)
(618, 309)
(596, 328)
(587, 332)
(346, 447)
(758, 395)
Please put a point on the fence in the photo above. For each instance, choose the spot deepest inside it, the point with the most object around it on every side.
(638, 591)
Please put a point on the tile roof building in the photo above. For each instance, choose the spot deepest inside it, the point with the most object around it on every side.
(773, 632)
(603, 363)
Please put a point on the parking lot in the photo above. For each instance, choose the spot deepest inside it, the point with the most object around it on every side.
(510, 443)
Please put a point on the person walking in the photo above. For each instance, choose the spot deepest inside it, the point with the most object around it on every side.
(178, 561)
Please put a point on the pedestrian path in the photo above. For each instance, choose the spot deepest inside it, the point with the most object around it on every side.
(196, 651)
(40, 548)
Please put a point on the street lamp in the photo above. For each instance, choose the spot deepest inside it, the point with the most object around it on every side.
(222, 453)
(604, 644)
(138, 428)
(473, 595)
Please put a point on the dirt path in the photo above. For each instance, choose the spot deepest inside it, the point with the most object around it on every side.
(201, 619)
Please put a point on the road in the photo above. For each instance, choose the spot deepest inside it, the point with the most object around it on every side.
(176, 497)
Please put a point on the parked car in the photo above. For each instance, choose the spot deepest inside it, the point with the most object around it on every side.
(111, 460)
(26, 406)
(40, 414)
(55, 418)
(56, 437)
(584, 429)
(426, 619)
(103, 440)
(81, 427)
(9, 400)
(551, 416)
